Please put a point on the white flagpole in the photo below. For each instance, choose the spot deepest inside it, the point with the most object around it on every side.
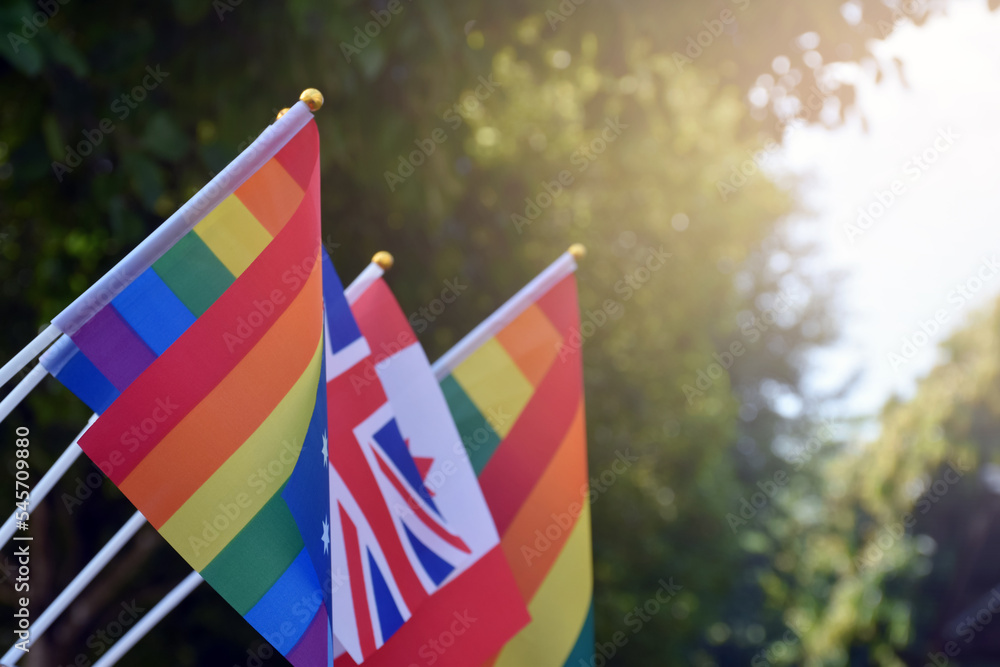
(139, 630)
(508, 312)
(177, 225)
(288, 123)
(381, 262)
(49, 480)
(22, 389)
(79, 582)
(32, 350)
(270, 141)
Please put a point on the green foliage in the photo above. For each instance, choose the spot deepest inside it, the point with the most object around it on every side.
(111, 116)
(898, 560)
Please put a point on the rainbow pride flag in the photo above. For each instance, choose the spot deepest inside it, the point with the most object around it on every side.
(515, 389)
(204, 353)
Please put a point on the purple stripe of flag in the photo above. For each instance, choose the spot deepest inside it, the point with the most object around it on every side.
(314, 644)
(114, 347)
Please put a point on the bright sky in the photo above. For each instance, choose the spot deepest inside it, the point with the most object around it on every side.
(934, 237)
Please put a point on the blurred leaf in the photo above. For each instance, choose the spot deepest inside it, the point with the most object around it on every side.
(65, 54)
(164, 139)
(145, 178)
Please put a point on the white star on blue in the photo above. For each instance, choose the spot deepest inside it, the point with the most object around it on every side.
(326, 535)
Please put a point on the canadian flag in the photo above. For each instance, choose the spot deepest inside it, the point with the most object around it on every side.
(478, 607)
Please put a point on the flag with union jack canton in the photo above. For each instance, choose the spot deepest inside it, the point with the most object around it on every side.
(387, 540)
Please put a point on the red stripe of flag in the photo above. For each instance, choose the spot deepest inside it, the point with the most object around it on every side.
(382, 321)
(350, 400)
(518, 463)
(479, 611)
(195, 364)
(355, 571)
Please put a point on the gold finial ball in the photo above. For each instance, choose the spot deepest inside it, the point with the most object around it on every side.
(282, 113)
(383, 259)
(313, 98)
(578, 250)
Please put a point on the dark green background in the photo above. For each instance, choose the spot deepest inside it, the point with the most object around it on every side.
(684, 127)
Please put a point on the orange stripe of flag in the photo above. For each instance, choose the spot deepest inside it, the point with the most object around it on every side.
(271, 195)
(532, 342)
(522, 457)
(543, 525)
(192, 367)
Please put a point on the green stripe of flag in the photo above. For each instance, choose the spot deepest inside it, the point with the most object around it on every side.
(583, 651)
(257, 557)
(479, 437)
(193, 272)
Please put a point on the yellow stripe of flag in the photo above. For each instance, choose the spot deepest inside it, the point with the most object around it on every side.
(248, 478)
(495, 384)
(233, 234)
(559, 608)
